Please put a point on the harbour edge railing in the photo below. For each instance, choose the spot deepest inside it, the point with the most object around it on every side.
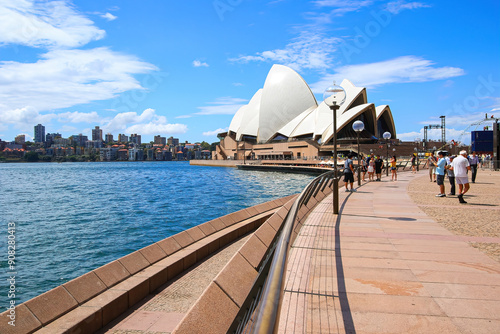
(264, 301)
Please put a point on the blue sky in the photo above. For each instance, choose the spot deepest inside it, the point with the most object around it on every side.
(183, 68)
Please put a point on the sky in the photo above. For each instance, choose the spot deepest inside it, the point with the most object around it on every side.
(183, 68)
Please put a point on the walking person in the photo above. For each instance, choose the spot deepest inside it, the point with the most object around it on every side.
(460, 166)
(451, 175)
(349, 172)
(473, 162)
(440, 171)
(431, 162)
(371, 167)
(394, 170)
(414, 163)
(378, 167)
(364, 168)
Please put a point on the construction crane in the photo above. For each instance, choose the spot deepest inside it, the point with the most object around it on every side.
(436, 126)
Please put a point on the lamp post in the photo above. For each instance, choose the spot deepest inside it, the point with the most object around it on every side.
(358, 126)
(387, 136)
(334, 97)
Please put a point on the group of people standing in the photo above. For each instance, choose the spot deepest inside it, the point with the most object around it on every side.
(372, 165)
(457, 170)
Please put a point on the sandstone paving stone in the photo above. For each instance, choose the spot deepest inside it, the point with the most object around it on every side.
(387, 266)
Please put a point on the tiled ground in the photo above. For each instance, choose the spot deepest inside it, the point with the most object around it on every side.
(384, 266)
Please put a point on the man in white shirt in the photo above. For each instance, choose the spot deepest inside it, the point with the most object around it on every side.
(460, 167)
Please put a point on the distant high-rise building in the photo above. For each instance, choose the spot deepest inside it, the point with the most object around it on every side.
(122, 138)
(135, 138)
(97, 134)
(21, 139)
(173, 141)
(39, 133)
(80, 140)
(51, 137)
(160, 140)
(109, 138)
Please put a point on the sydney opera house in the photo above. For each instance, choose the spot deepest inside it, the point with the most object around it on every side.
(284, 121)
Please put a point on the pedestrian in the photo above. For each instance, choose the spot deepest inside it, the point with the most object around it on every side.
(460, 166)
(473, 162)
(451, 175)
(414, 163)
(349, 172)
(378, 167)
(440, 171)
(371, 168)
(394, 170)
(364, 167)
(431, 162)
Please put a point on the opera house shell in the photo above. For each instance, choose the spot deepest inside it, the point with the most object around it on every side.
(286, 111)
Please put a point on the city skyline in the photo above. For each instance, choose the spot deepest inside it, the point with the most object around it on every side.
(176, 69)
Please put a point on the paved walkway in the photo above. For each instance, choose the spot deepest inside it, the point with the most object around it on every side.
(383, 266)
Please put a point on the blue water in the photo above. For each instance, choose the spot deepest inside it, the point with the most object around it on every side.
(74, 217)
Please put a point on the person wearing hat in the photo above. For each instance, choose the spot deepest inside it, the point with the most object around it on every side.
(451, 175)
(440, 171)
(460, 166)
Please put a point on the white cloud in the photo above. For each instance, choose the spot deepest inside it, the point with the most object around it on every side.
(396, 7)
(197, 63)
(45, 24)
(237, 84)
(342, 7)
(309, 50)
(215, 132)
(148, 122)
(397, 70)
(64, 78)
(184, 116)
(78, 117)
(152, 128)
(222, 106)
(24, 118)
(109, 17)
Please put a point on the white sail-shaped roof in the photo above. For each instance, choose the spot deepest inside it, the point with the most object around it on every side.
(250, 120)
(237, 118)
(368, 109)
(285, 96)
(290, 129)
(385, 110)
(286, 106)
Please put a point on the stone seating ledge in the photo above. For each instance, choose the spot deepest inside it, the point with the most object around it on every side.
(218, 306)
(89, 302)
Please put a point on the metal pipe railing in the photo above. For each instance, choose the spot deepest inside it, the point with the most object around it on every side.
(268, 314)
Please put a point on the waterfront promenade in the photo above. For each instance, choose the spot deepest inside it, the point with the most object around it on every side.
(384, 266)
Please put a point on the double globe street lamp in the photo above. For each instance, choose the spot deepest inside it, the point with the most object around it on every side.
(334, 97)
(358, 126)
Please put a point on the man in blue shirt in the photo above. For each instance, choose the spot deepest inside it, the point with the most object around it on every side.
(349, 172)
(473, 162)
(440, 170)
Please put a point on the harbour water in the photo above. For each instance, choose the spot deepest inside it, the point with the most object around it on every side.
(71, 218)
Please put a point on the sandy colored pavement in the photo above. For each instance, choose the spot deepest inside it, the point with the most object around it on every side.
(480, 217)
(383, 265)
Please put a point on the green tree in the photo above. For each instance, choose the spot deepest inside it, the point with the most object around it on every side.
(31, 157)
(205, 146)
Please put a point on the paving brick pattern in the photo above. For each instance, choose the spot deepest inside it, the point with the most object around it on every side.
(384, 266)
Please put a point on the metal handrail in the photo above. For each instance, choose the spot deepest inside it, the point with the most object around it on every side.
(267, 317)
